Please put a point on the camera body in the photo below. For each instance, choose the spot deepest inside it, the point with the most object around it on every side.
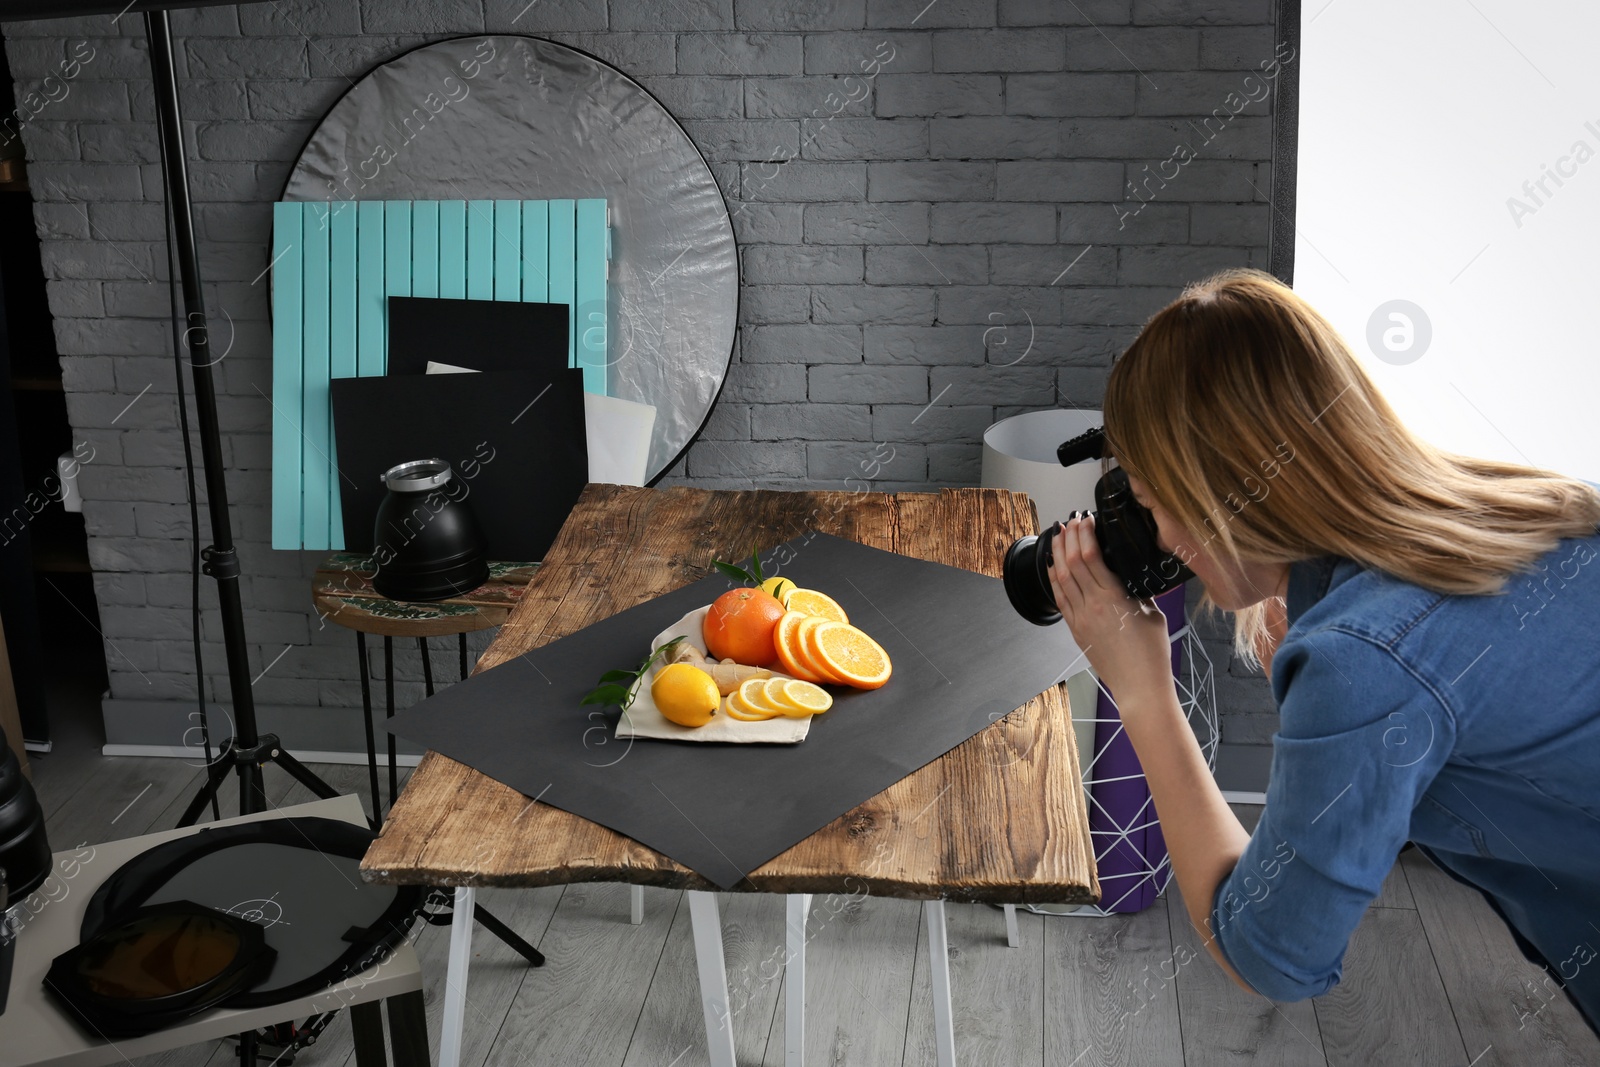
(1124, 529)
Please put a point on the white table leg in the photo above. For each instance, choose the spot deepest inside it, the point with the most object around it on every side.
(636, 904)
(713, 978)
(794, 981)
(455, 981)
(944, 1029)
(1013, 938)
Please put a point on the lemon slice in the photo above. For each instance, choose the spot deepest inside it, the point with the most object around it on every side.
(752, 692)
(813, 699)
(738, 709)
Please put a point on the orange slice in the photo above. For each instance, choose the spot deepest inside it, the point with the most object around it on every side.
(813, 654)
(738, 709)
(850, 654)
(786, 635)
(812, 602)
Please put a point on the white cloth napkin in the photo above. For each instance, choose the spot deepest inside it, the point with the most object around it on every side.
(643, 720)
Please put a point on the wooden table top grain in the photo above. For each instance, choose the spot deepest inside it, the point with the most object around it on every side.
(999, 818)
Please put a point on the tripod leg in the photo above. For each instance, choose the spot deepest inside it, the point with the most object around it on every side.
(214, 776)
(427, 666)
(388, 703)
(366, 1025)
(366, 721)
(463, 639)
(247, 1049)
(499, 929)
(408, 1029)
(303, 774)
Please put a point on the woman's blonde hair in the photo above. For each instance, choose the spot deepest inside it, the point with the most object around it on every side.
(1244, 413)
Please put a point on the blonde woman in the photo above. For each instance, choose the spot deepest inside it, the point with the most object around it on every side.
(1430, 623)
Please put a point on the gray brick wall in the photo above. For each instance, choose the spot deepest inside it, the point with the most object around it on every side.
(1005, 184)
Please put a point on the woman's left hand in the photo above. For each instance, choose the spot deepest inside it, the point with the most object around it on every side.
(1125, 640)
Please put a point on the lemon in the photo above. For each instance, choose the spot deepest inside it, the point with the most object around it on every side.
(685, 694)
(779, 588)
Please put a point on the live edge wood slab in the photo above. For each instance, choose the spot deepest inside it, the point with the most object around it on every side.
(1000, 818)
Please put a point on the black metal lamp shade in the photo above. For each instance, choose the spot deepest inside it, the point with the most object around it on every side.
(427, 543)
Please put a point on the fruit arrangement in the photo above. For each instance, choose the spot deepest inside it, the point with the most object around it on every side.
(772, 647)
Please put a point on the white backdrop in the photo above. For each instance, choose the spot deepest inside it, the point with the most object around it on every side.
(1450, 159)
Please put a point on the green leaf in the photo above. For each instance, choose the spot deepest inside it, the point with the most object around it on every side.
(755, 561)
(606, 694)
(738, 574)
(618, 676)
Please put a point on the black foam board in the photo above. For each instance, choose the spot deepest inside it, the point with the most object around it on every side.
(515, 438)
(962, 659)
(486, 335)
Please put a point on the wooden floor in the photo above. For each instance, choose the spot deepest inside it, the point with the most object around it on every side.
(1431, 976)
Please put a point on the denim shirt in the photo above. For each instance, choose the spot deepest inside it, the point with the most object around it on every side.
(1467, 724)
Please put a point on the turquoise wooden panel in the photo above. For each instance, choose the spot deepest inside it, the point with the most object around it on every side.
(344, 281)
(480, 249)
(425, 248)
(453, 249)
(317, 417)
(508, 250)
(535, 251)
(396, 262)
(371, 284)
(287, 336)
(564, 266)
(589, 302)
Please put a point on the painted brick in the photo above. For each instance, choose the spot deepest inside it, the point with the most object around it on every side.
(248, 222)
(754, 460)
(727, 422)
(812, 15)
(249, 451)
(764, 383)
(435, 16)
(804, 264)
(927, 265)
(1198, 92)
(637, 53)
(997, 385)
(110, 337)
(1126, 223)
(1056, 181)
(1012, 223)
(745, 139)
(1227, 180)
(1065, 12)
(808, 96)
(118, 221)
(60, 221)
(844, 138)
(1226, 137)
(521, 16)
(884, 467)
(88, 374)
(1174, 265)
(994, 138)
(799, 181)
(1230, 224)
(931, 180)
(757, 223)
(925, 16)
(925, 345)
(1052, 265)
(930, 423)
(105, 519)
(801, 343)
(988, 50)
(252, 140)
(269, 627)
(221, 58)
(351, 57)
(699, 98)
(1071, 94)
(867, 383)
(939, 94)
(107, 142)
(872, 304)
(85, 100)
(1215, 13)
(745, 55)
(811, 422)
(1135, 48)
(121, 590)
(75, 298)
(1075, 345)
(1237, 47)
(1009, 307)
(777, 303)
(195, 22)
(1114, 306)
(49, 142)
(869, 52)
(299, 18)
(288, 100)
(956, 464)
(1081, 386)
(680, 15)
(866, 223)
(85, 181)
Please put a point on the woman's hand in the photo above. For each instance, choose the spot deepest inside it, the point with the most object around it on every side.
(1125, 640)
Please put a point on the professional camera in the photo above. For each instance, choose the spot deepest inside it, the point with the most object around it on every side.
(1124, 529)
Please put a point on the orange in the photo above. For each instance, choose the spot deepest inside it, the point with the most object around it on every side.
(739, 626)
(813, 654)
(814, 603)
(850, 654)
(790, 655)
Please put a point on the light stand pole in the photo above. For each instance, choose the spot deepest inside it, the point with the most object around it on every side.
(247, 750)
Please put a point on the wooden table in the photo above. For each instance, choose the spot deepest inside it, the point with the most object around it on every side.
(1010, 828)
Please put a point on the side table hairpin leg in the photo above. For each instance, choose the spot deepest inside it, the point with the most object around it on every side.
(388, 703)
(944, 1030)
(707, 925)
(366, 721)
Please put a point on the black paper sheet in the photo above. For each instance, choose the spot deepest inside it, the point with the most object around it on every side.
(480, 334)
(963, 659)
(516, 439)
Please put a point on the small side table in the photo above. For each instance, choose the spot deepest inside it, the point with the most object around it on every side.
(342, 592)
